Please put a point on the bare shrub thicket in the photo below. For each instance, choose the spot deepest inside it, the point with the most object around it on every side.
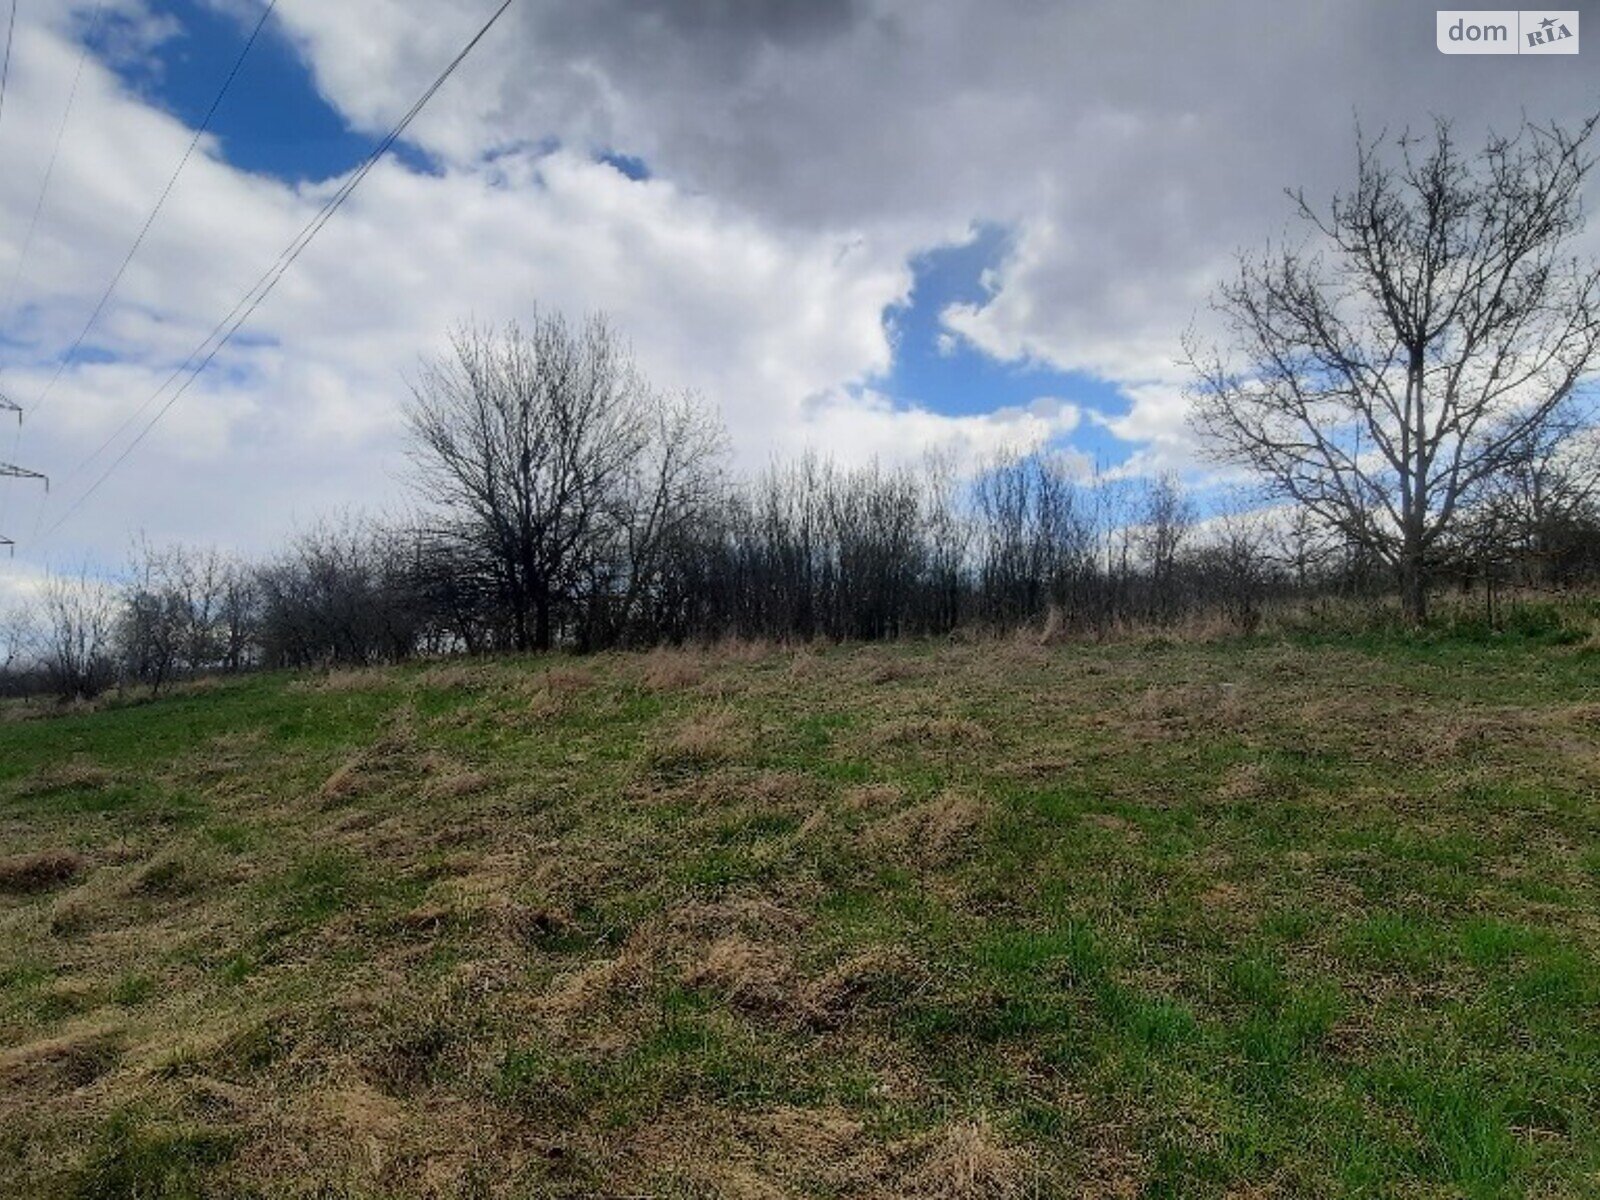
(76, 641)
(608, 519)
(804, 551)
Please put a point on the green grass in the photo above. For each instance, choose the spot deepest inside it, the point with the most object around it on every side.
(1309, 915)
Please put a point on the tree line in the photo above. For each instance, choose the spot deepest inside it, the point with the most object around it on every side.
(808, 550)
(1404, 389)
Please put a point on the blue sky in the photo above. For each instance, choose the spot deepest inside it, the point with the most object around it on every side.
(949, 375)
(272, 121)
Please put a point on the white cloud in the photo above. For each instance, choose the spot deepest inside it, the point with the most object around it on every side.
(868, 427)
(303, 412)
(804, 151)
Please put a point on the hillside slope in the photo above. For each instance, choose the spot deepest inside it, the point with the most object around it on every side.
(1245, 919)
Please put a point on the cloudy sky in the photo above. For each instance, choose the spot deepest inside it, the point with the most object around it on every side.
(867, 226)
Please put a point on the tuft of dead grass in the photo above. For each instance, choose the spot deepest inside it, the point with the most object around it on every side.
(370, 1120)
(705, 740)
(805, 663)
(460, 677)
(873, 797)
(452, 783)
(175, 872)
(566, 681)
(546, 706)
(741, 650)
(772, 1154)
(78, 774)
(825, 1144)
(930, 834)
(891, 670)
(931, 732)
(392, 760)
(63, 1063)
(743, 973)
(667, 670)
(967, 1161)
(833, 998)
(346, 780)
(1245, 782)
(1192, 705)
(25, 874)
(343, 679)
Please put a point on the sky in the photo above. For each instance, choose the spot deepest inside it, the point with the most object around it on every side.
(874, 228)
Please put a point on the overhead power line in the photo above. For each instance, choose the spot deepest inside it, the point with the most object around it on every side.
(201, 357)
(50, 167)
(5, 68)
(200, 132)
(7, 471)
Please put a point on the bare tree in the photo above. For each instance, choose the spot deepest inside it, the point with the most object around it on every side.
(1235, 557)
(17, 635)
(153, 621)
(344, 591)
(79, 617)
(1432, 323)
(948, 533)
(670, 493)
(1167, 515)
(528, 439)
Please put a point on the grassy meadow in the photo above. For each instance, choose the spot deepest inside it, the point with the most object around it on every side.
(1285, 916)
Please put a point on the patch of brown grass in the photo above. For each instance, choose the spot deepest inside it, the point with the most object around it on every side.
(371, 1121)
(585, 989)
(824, 1144)
(566, 681)
(873, 797)
(452, 783)
(391, 760)
(932, 833)
(967, 1161)
(741, 650)
(774, 1154)
(459, 677)
(343, 679)
(1192, 705)
(1245, 781)
(79, 774)
(178, 871)
(346, 780)
(885, 670)
(932, 732)
(753, 914)
(705, 740)
(62, 1063)
(24, 874)
(805, 663)
(831, 999)
(667, 670)
(545, 706)
(743, 973)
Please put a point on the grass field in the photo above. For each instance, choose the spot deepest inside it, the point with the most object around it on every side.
(1271, 917)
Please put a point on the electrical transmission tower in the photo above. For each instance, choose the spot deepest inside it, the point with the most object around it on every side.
(8, 471)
